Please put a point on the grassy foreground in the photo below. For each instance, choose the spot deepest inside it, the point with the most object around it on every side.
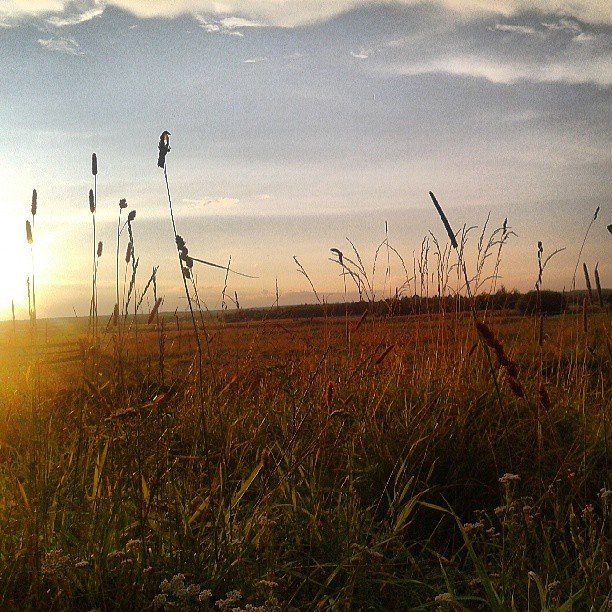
(363, 464)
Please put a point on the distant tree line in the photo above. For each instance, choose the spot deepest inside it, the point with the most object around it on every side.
(530, 303)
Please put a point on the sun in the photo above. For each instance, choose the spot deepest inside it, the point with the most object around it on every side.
(15, 266)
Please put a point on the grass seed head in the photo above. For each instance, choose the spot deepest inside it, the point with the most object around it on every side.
(598, 286)
(99, 251)
(164, 148)
(122, 203)
(94, 164)
(447, 226)
(34, 202)
(587, 281)
(29, 237)
(155, 310)
(92, 202)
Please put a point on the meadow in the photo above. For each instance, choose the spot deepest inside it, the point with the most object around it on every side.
(450, 459)
(376, 469)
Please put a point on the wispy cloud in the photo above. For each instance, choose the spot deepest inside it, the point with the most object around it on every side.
(563, 25)
(568, 69)
(227, 25)
(216, 202)
(563, 28)
(78, 12)
(361, 54)
(517, 29)
(255, 60)
(290, 13)
(583, 37)
(239, 22)
(68, 46)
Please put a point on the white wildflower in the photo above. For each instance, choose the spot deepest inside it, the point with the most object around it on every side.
(444, 598)
(193, 590)
(159, 601)
(204, 595)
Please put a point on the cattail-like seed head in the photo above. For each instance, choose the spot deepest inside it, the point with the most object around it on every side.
(92, 202)
(128, 253)
(329, 393)
(189, 262)
(99, 251)
(338, 252)
(131, 216)
(266, 458)
(29, 237)
(186, 272)
(543, 397)
(34, 202)
(94, 164)
(447, 226)
(180, 243)
(587, 280)
(153, 312)
(122, 203)
(515, 386)
(598, 285)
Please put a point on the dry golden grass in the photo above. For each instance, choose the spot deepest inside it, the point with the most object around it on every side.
(371, 471)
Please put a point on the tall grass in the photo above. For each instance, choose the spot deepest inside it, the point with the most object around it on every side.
(186, 265)
(93, 201)
(329, 474)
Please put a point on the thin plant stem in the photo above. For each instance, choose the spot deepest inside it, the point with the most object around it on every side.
(193, 320)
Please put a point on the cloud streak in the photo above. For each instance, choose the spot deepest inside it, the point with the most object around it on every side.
(553, 51)
(570, 70)
(214, 202)
(292, 13)
(75, 13)
(228, 25)
(67, 46)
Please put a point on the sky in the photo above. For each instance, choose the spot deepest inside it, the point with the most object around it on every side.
(296, 125)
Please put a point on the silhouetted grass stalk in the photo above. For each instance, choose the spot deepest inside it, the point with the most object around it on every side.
(203, 418)
(92, 305)
(33, 210)
(122, 205)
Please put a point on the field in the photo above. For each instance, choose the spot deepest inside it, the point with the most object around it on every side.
(398, 462)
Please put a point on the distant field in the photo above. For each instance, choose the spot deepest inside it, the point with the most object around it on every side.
(329, 463)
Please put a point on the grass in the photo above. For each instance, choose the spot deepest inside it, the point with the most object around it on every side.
(337, 477)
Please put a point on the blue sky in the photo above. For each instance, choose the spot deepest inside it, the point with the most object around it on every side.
(295, 125)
